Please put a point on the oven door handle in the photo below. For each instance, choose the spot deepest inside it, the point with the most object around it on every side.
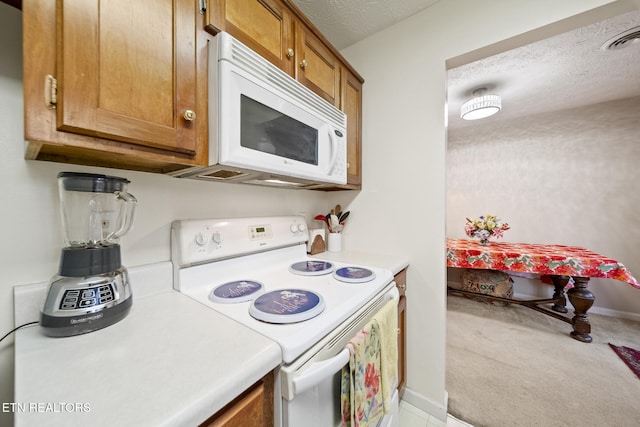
(320, 371)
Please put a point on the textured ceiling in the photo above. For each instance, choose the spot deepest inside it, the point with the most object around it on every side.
(345, 22)
(563, 72)
(566, 71)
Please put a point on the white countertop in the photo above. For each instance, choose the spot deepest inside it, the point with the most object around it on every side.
(393, 263)
(170, 362)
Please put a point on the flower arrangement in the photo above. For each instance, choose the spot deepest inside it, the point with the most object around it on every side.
(485, 227)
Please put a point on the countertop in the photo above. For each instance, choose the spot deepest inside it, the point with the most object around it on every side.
(171, 362)
(393, 263)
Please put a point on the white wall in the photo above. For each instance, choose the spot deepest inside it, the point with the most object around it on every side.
(567, 177)
(31, 235)
(405, 149)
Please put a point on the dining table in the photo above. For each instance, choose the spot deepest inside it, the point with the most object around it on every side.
(569, 269)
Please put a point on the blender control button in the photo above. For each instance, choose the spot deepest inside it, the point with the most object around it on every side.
(88, 302)
(106, 299)
(68, 306)
(74, 293)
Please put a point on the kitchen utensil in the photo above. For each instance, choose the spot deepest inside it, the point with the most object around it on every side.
(322, 218)
(343, 217)
(91, 290)
(333, 223)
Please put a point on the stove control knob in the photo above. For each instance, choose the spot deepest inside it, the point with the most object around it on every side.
(302, 228)
(217, 237)
(201, 239)
(293, 228)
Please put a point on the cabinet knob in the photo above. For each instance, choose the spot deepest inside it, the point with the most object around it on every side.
(290, 53)
(189, 115)
(402, 286)
(303, 64)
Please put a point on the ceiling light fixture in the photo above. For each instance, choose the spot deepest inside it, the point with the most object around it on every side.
(481, 105)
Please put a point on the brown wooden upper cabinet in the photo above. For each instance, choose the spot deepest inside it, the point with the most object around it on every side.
(266, 26)
(270, 28)
(317, 68)
(351, 104)
(120, 83)
(279, 31)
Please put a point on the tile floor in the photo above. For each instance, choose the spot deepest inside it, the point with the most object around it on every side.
(410, 416)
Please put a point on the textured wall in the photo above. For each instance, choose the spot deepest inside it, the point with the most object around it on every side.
(569, 178)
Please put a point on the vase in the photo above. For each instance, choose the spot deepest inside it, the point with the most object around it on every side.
(484, 242)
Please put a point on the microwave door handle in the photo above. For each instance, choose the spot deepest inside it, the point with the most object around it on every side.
(320, 371)
(334, 150)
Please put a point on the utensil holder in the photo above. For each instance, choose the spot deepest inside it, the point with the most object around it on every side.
(334, 242)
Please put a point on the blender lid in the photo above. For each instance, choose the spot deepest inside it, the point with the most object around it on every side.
(91, 182)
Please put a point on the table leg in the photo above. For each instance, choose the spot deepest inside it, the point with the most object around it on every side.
(582, 299)
(559, 283)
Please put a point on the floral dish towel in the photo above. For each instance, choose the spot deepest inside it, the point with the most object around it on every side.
(361, 395)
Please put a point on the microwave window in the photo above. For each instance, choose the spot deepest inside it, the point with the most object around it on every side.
(269, 131)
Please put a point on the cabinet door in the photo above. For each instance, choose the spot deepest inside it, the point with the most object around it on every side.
(317, 68)
(121, 75)
(351, 104)
(253, 408)
(263, 25)
(401, 283)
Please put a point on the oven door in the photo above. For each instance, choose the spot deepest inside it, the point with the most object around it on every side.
(311, 384)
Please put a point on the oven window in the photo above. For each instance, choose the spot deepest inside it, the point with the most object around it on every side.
(269, 131)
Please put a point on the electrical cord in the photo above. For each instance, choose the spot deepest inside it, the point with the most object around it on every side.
(15, 329)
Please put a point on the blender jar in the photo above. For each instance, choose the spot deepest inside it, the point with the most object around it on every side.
(96, 209)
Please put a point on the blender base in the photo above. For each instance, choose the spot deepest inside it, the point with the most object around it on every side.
(59, 326)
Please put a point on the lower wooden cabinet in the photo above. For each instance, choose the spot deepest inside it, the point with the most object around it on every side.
(401, 283)
(253, 408)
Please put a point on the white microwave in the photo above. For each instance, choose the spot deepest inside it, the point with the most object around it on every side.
(265, 127)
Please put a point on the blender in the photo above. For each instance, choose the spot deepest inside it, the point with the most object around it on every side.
(91, 290)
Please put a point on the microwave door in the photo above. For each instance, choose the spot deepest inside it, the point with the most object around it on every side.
(263, 130)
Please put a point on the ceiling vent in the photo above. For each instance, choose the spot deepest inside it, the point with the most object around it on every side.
(622, 40)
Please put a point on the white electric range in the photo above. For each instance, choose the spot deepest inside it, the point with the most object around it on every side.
(256, 271)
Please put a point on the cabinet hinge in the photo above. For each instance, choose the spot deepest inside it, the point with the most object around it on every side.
(50, 91)
(203, 6)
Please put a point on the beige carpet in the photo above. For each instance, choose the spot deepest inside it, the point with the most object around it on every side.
(512, 367)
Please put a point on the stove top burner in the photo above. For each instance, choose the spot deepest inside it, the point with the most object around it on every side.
(236, 291)
(311, 268)
(287, 306)
(354, 275)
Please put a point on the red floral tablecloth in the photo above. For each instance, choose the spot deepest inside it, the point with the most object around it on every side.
(537, 259)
